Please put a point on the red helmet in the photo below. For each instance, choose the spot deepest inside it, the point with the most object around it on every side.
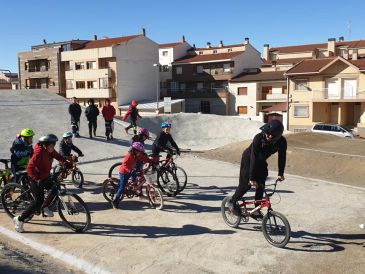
(134, 103)
(138, 146)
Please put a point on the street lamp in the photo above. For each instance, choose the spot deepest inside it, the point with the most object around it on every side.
(157, 85)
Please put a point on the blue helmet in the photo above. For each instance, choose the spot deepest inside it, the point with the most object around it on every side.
(165, 124)
(67, 134)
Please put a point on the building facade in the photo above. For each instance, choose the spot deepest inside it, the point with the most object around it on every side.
(8, 80)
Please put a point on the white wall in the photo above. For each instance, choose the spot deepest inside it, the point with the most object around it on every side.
(136, 76)
(248, 100)
(181, 50)
(251, 58)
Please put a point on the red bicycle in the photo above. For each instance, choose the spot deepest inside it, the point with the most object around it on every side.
(275, 226)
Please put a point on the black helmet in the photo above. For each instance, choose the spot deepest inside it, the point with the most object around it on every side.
(274, 128)
(48, 139)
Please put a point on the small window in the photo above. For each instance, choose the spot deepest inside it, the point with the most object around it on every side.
(242, 91)
(199, 69)
(199, 86)
(242, 110)
(165, 68)
(69, 84)
(26, 65)
(301, 111)
(104, 82)
(91, 84)
(68, 66)
(215, 51)
(79, 65)
(226, 67)
(201, 53)
(91, 65)
(229, 50)
(205, 106)
(178, 70)
(182, 86)
(165, 53)
(80, 84)
(301, 85)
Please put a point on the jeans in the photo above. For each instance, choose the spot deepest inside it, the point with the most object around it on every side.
(123, 180)
(92, 127)
(109, 126)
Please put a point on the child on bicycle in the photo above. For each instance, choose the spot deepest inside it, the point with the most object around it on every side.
(38, 169)
(134, 115)
(21, 151)
(66, 146)
(253, 170)
(127, 168)
(160, 144)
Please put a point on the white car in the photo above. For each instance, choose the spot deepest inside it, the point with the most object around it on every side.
(333, 129)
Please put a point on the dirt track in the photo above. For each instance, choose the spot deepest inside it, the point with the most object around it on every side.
(330, 163)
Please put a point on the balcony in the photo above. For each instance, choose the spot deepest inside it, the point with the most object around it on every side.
(275, 97)
(198, 93)
(89, 93)
(337, 95)
(86, 74)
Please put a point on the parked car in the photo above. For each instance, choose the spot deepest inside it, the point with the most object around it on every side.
(333, 129)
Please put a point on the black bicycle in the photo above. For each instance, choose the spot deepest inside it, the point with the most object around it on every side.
(73, 211)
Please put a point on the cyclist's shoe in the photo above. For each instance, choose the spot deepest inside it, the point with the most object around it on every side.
(18, 224)
(234, 208)
(47, 212)
(362, 226)
(257, 215)
(115, 204)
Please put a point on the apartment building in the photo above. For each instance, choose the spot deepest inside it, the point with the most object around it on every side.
(168, 53)
(120, 69)
(201, 77)
(41, 67)
(8, 80)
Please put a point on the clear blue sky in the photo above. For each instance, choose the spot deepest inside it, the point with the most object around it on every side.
(28, 22)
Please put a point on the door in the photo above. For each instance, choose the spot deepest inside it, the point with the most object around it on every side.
(334, 113)
(349, 88)
(274, 116)
(333, 89)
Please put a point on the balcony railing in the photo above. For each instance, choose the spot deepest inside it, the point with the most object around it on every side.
(337, 94)
(37, 69)
(89, 93)
(273, 97)
(195, 92)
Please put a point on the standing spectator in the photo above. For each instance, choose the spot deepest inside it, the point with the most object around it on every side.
(92, 113)
(75, 111)
(108, 112)
(133, 112)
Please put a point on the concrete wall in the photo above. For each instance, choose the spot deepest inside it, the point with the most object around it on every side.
(248, 100)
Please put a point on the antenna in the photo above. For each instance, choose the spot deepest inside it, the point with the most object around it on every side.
(349, 29)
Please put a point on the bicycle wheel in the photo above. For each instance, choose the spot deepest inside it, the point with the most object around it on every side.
(74, 212)
(276, 228)
(114, 170)
(167, 182)
(155, 197)
(181, 177)
(15, 198)
(77, 178)
(110, 188)
(229, 218)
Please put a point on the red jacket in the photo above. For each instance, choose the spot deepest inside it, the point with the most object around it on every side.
(108, 112)
(40, 164)
(134, 113)
(130, 161)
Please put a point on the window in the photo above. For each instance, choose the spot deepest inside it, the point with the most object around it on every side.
(205, 106)
(178, 70)
(242, 91)
(69, 84)
(229, 50)
(226, 67)
(80, 84)
(301, 85)
(66, 47)
(165, 53)
(104, 83)
(182, 86)
(200, 52)
(301, 111)
(91, 65)
(68, 66)
(242, 110)
(165, 68)
(215, 51)
(199, 69)
(26, 65)
(199, 86)
(79, 65)
(91, 84)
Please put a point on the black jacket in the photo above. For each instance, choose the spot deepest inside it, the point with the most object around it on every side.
(92, 112)
(75, 112)
(65, 149)
(162, 139)
(255, 156)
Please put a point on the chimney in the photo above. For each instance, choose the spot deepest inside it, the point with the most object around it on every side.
(208, 45)
(183, 39)
(143, 31)
(331, 46)
(247, 41)
(315, 53)
(354, 54)
(95, 37)
(194, 47)
(341, 39)
(220, 44)
(266, 52)
(44, 41)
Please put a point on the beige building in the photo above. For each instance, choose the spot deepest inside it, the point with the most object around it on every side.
(8, 80)
(120, 69)
(201, 77)
(41, 67)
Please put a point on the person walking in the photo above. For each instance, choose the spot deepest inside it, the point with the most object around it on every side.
(92, 113)
(108, 112)
(133, 113)
(74, 110)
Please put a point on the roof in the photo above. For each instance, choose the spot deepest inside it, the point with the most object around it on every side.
(102, 43)
(277, 107)
(259, 76)
(310, 66)
(223, 47)
(360, 63)
(169, 45)
(285, 61)
(208, 57)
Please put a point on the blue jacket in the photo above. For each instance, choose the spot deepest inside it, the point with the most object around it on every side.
(21, 152)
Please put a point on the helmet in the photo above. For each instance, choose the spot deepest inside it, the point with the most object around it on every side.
(138, 146)
(67, 134)
(145, 132)
(48, 139)
(165, 124)
(27, 132)
(274, 128)
(134, 103)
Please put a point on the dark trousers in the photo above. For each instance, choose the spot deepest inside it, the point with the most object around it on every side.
(92, 127)
(38, 194)
(134, 125)
(109, 125)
